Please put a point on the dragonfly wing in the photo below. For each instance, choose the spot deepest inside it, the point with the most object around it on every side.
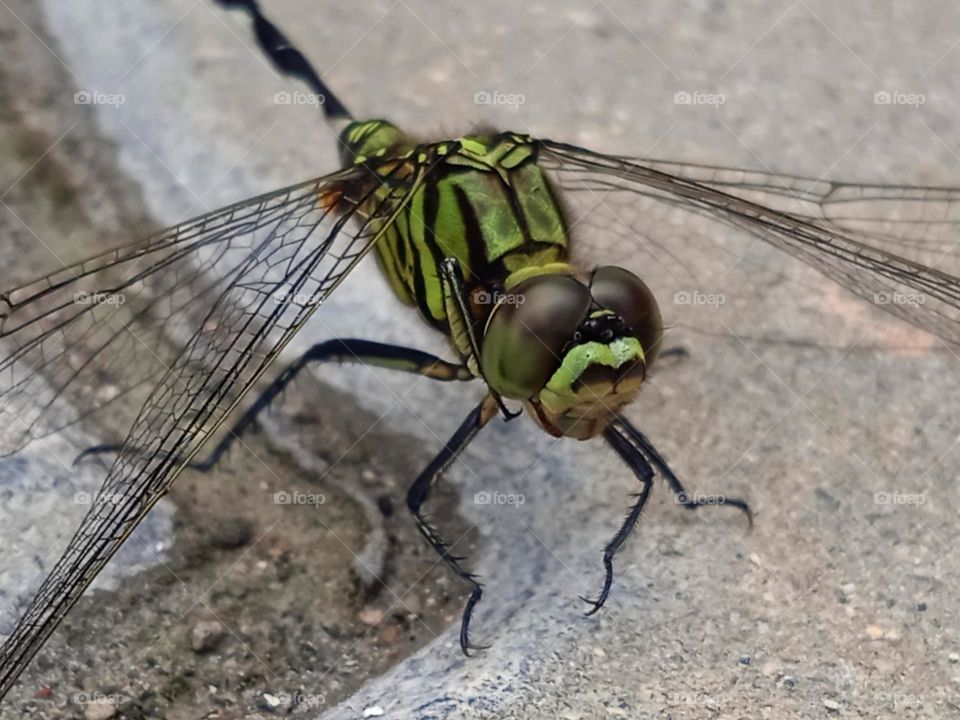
(895, 246)
(264, 266)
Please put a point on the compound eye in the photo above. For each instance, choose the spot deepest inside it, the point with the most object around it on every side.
(627, 295)
(527, 331)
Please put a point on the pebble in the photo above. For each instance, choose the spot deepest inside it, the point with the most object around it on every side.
(745, 660)
(231, 533)
(831, 705)
(100, 710)
(953, 657)
(875, 632)
(373, 711)
(206, 635)
(371, 616)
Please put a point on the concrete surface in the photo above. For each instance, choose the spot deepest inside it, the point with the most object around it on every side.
(837, 604)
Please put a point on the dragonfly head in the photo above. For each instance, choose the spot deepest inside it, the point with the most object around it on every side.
(574, 351)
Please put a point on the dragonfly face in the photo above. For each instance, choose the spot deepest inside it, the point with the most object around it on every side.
(575, 352)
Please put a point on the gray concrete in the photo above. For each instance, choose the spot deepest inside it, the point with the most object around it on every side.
(815, 613)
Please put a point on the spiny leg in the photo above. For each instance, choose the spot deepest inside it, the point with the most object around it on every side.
(419, 492)
(644, 472)
(683, 497)
(368, 352)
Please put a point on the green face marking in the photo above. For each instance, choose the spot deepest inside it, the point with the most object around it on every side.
(559, 394)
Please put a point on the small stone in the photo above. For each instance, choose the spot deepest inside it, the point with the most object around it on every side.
(953, 657)
(373, 711)
(921, 606)
(875, 632)
(755, 559)
(831, 705)
(272, 700)
(371, 616)
(390, 634)
(206, 635)
(231, 533)
(101, 709)
(745, 660)
(788, 682)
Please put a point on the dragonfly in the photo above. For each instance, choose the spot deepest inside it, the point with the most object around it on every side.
(525, 252)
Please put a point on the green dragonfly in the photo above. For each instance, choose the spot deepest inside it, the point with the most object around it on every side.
(491, 237)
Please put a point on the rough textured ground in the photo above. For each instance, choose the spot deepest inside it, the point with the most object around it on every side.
(838, 604)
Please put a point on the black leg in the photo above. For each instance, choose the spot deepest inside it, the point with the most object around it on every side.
(463, 328)
(287, 59)
(642, 457)
(641, 468)
(691, 502)
(350, 350)
(419, 492)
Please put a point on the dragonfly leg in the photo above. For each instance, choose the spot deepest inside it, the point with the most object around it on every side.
(642, 457)
(351, 350)
(644, 472)
(419, 492)
(463, 326)
(688, 500)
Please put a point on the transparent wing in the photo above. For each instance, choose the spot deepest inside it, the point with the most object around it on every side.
(241, 280)
(896, 246)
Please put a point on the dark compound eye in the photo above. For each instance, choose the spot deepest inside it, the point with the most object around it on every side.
(629, 297)
(526, 334)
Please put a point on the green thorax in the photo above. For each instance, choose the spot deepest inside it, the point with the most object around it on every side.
(485, 202)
